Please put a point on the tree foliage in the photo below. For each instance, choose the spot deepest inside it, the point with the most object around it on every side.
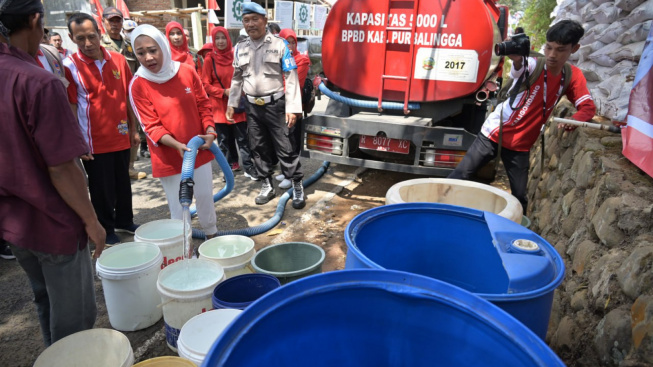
(536, 20)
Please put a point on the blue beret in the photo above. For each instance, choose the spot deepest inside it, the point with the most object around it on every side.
(249, 8)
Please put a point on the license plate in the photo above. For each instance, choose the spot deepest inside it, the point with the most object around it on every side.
(383, 144)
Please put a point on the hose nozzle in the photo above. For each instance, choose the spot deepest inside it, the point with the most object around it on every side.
(186, 191)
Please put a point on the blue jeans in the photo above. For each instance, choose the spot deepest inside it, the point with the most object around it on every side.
(64, 291)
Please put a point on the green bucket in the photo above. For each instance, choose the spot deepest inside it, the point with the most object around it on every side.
(289, 261)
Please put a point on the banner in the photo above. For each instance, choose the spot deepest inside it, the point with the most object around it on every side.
(283, 13)
(120, 5)
(302, 16)
(637, 136)
(233, 14)
(96, 12)
(319, 16)
(212, 18)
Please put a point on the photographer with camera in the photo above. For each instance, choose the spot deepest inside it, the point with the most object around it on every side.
(514, 126)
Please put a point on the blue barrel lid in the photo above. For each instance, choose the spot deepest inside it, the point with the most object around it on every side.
(531, 264)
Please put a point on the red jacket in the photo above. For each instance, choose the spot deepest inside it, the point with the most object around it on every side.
(178, 107)
(216, 91)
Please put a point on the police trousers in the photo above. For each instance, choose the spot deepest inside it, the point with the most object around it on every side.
(269, 136)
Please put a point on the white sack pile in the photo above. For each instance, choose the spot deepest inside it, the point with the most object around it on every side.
(615, 33)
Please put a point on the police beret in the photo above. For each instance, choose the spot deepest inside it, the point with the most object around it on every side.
(249, 8)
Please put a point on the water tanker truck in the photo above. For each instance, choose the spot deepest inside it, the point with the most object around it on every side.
(408, 82)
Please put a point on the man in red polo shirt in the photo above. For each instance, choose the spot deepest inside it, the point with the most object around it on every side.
(45, 212)
(98, 86)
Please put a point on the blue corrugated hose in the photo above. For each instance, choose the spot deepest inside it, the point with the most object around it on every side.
(187, 173)
(365, 104)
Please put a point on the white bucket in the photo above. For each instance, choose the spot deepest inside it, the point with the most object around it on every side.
(94, 347)
(199, 333)
(129, 274)
(232, 252)
(186, 288)
(167, 234)
(468, 194)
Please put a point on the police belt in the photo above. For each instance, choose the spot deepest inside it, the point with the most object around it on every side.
(260, 101)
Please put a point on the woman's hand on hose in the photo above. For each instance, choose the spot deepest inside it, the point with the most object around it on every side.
(208, 141)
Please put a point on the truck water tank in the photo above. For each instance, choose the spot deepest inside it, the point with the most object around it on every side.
(444, 47)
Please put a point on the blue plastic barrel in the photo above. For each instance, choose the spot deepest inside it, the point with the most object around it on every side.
(240, 291)
(481, 252)
(376, 318)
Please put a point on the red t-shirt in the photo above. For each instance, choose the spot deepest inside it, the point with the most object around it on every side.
(216, 91)
(178, 107)
(521, 127)
(99, 88)
(38, 131)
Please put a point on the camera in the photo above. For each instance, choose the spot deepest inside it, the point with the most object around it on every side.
(519, 44)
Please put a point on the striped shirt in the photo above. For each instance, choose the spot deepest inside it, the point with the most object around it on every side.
(99, 88)
(521, 127)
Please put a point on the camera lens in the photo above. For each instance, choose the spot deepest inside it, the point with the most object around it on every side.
(500, 49)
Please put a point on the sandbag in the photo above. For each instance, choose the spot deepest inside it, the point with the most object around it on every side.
(612, 86)
(611, 33)
(604, 56)
(624, 68)
(640, 14)
(636, 33)
(586, 50)
(566, 7)
(594, 72)
(588, 25)
(599, 2)
(606, 13)
(632, 51)
(628, 5)
(580, 4)
(593, 33)
(586, 12)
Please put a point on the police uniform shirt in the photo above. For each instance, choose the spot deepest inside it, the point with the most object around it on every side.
(259, 70)
(125, 49)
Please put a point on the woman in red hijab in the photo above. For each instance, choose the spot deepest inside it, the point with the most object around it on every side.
(216, 76)
(179, 44)
(303, 64)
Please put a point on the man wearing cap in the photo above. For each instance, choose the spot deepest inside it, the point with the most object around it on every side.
(262, 63)
(45, 212)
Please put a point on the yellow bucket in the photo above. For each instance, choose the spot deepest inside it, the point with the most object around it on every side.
(166, 362)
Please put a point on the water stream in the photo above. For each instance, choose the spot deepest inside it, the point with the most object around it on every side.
(187, 231)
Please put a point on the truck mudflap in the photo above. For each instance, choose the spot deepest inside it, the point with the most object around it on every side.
(398, 143)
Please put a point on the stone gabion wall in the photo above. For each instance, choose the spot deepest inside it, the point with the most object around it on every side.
(595, 207)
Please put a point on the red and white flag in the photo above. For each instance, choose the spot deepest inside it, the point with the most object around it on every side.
(120, 5)
(637, 136)
(212, 18)
(96, 12)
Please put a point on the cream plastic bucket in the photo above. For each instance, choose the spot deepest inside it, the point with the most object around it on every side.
(94, 347)
(167, 234)
(468, 194)
(166, 362)
(199, 333)
(129, 274)
(232, 252)
(186, 288)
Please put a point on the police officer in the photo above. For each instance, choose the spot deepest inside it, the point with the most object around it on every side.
(261, 64)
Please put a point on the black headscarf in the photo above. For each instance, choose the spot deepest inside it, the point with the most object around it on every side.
(18, 7)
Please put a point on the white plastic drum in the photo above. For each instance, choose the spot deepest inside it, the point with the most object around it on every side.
(199, 333)
(186, 288)
(167, 234)
(468, 194)
(129, 273)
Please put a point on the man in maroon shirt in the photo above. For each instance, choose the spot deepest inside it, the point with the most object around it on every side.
(45, 212)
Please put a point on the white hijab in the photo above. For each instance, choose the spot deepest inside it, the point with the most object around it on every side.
(169, 68)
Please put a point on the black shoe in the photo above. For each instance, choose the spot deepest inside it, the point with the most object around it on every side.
(5, 252)
(267, 192)
(131, 229)
(298, 201)
(251, 173)
(112, 239)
